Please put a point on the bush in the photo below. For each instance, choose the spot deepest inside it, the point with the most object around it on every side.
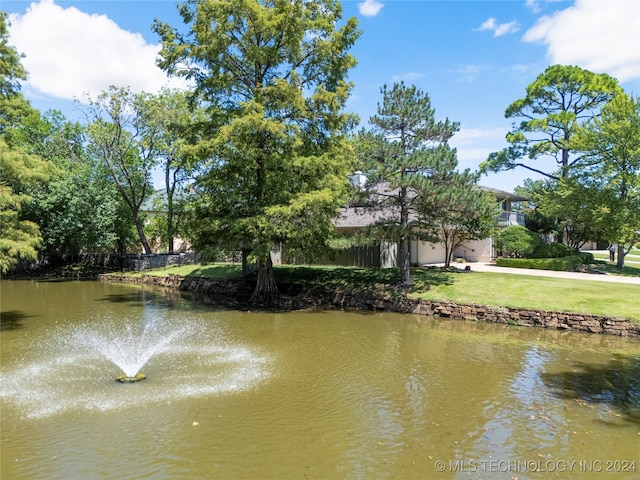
(564, 264)
(553, 250)
(587, 257)
(517, 241)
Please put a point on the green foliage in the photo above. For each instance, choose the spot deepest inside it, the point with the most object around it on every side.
(560, 99)
(564, 264)
(13, 106)
(407, 156)
(517, 241)
(76, 209)
(125, 138)
(566, 209)
(272, 78)
(19, 174)
(552, 250)
(177, 123)
(610, 166)
(459, 212)
(587, 257)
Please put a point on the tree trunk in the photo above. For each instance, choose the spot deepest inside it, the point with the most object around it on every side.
(448, 253)
(266, 289)
(170, 226)
(141, 235)
(405, 261)
(621, 254)
(169, 188)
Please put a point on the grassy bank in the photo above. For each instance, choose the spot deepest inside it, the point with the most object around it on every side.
(497, 289)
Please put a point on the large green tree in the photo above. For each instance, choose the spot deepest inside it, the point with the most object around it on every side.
(564, 208)
(406, 154)
(272, 75)
(610, 163)
(20, 171)
(14, 105)
(455, 211)
(178, 128)
(77, 209)
(19, 237)
(124, 137)
(560, 99)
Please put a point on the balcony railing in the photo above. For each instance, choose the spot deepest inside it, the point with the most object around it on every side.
(506, 219)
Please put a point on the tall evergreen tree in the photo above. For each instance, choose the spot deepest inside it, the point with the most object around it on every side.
(272, 75)
(406, 153)
(560, 99)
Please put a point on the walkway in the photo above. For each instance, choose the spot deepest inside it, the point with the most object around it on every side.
(492, 267)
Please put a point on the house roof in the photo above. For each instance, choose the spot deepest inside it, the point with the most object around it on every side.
(352, 217)
(382, 188)
(501, 194)
(358, 216)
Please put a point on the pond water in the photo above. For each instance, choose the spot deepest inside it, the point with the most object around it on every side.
(312, 394)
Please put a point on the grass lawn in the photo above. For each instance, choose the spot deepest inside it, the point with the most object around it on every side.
(540, 293)
(630, 260)
(484, 288)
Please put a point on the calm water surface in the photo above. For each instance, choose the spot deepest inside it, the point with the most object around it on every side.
(319, 395)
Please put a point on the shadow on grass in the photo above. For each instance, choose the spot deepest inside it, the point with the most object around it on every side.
(362, 279)
(226, 271)
(616, 383)
(12, 320)
(611, 269)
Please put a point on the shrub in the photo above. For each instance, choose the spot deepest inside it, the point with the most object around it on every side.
(563, 264)
(553, 250)
(517, 241)
(587, 257)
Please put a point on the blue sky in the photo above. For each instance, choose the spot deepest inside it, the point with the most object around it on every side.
(472, 57)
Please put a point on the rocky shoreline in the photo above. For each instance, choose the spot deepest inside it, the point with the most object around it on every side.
(235, 293)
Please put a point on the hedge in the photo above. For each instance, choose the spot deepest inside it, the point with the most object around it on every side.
(562, 264)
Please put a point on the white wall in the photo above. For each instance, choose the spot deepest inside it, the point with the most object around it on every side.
(473, 251)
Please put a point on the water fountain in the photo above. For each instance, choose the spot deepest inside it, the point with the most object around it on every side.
(74, 365)
(131, 348)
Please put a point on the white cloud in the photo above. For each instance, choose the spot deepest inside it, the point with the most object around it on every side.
(533, 5)
(498, 29)
(69, 53)
(370, 8)
(407, 77)
(600, 36)
(488, 24)
(505, 28)
(475, 144)
(467, 73)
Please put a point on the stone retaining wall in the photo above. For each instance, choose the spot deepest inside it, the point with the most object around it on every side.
(295, 297)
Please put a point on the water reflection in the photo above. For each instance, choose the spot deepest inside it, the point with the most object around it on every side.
(329, 394)
(12, 319)
(615, 384)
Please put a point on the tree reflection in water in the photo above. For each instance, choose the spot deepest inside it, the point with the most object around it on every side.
(616, 383)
